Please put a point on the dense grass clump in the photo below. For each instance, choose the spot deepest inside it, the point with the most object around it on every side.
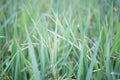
(59, 40)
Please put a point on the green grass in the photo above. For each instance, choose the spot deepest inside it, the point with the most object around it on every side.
(59, 40)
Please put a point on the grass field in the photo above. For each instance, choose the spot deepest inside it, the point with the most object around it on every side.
(59, 40)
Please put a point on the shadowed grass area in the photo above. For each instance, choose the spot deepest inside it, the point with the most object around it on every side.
(59, 40)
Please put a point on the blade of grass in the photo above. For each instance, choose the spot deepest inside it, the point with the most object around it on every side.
(90, 70)
(34, 63)
(108, 59)
(63, 38)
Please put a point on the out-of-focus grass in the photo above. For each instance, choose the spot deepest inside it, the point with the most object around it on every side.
(59, 40)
